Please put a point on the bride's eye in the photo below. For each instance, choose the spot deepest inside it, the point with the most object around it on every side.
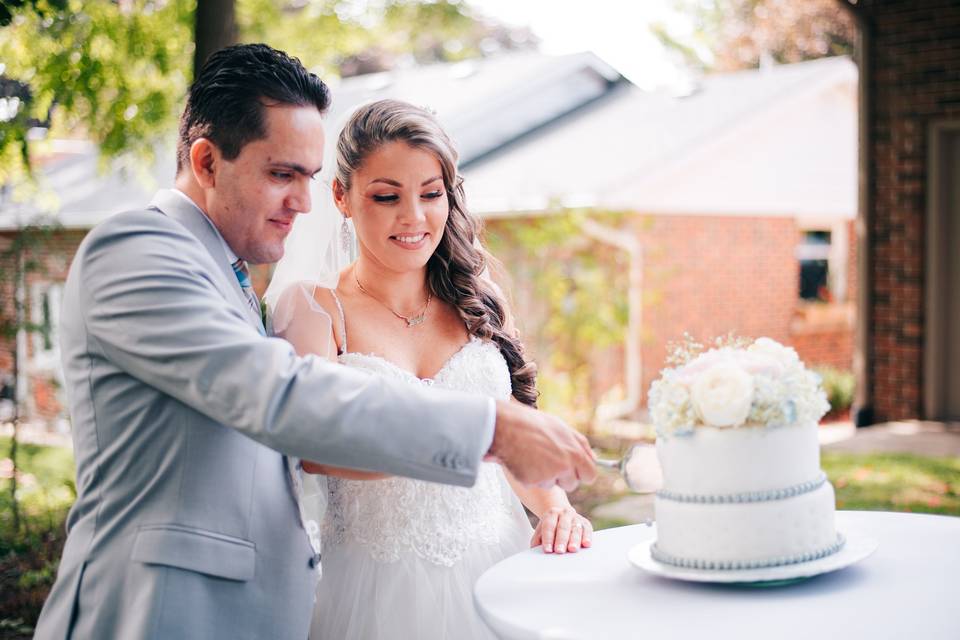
(433, 195)
(388, 198)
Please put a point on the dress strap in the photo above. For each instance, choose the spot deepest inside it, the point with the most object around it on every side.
(343, 323)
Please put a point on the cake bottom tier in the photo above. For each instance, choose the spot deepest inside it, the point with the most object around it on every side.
(747, 535)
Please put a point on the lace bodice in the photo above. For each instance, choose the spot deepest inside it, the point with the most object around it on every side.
(437, 522)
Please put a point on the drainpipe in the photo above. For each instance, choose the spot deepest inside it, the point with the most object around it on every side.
(633, 356)
(863, 355)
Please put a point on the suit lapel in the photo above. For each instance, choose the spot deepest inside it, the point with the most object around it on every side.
(176, 207)
(189, 215)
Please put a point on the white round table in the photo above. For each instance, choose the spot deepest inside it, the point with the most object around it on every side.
(907, 589)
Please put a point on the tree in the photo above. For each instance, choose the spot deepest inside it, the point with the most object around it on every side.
(574, 290)
(116, 71)
(730, 35)
(113, 72)
(214, 27)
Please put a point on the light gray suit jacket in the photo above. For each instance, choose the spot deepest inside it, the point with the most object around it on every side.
(186, 524)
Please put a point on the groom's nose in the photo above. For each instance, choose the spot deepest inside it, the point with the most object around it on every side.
(298, 198)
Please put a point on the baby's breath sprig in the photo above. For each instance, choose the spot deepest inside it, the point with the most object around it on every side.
(732, 341)
(680, 352)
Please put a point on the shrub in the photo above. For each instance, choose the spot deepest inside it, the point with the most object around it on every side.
(840, 386)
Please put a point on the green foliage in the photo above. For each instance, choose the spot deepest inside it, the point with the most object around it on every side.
(573, 289)
(839, 386)
(115, 72)
(45, 490)
(894, 482)
(347, 38)
(30, 553)
(729, 35)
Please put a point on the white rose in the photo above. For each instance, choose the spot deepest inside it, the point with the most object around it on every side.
(722, 395)
(771, 348)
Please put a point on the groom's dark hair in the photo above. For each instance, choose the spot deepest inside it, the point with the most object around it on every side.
(226, 101)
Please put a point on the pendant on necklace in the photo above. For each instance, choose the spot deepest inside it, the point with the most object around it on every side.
(415, 320)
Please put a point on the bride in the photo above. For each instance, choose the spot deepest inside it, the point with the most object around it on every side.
(400, 556)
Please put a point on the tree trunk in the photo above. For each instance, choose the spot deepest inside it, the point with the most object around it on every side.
(215, 27)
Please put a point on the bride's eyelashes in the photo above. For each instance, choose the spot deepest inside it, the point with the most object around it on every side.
(392, 197)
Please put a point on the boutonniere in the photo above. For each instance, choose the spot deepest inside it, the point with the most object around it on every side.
(265, 318)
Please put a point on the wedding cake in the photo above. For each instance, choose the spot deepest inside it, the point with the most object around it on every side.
(737, 442)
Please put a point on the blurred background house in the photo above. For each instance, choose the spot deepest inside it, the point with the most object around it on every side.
(809, 202)
(732, 200)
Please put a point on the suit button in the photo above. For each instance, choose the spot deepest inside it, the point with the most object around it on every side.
(314, 561)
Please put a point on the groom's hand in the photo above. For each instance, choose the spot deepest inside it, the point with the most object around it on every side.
(540, 449)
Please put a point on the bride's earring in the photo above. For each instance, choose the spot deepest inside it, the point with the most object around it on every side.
(346, 237)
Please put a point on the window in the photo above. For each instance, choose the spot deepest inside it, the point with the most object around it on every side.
(814, 256)
(45, 315)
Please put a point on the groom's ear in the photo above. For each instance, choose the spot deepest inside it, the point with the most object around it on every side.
(204, 156)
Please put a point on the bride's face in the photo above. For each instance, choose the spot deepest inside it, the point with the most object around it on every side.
(398, 205)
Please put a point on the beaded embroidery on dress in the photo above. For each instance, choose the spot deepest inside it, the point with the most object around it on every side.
(400, 556)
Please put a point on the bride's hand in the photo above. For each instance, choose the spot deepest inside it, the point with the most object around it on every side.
(562, 529)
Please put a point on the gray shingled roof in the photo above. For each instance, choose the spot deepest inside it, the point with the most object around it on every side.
(775, 142)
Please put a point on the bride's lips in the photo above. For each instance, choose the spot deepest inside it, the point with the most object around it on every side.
(410, 241)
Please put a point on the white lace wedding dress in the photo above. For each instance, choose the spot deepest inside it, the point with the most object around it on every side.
(400, 556)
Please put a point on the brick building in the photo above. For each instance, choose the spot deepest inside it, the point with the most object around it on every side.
(729, 211)
(732, 209)
(909, 227)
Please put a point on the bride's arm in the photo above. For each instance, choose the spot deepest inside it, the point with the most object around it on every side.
(309, 329)
(341, 472)
(561, 528)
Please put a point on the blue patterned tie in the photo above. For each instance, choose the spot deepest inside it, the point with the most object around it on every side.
(243, 276)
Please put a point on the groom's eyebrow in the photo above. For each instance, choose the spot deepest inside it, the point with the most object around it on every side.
(299, 168)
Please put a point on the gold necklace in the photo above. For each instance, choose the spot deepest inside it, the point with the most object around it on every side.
(411, 321)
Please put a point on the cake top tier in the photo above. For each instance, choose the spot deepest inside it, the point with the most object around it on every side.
(738, 383)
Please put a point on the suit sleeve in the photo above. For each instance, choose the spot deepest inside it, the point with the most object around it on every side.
(153, 309)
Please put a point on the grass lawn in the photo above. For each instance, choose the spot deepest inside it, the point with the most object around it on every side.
(863, 482)
(894, 482)
(28, 560)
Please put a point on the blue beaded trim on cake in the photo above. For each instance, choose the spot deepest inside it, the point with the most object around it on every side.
(747, 496)
(739, 565)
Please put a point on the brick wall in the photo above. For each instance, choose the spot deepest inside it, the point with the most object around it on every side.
(45, 398)
(914, 79)
(709, 276)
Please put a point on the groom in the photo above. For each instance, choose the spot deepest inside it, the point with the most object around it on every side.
(186, 523)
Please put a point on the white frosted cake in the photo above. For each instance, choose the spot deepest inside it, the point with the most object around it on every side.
(737, 443)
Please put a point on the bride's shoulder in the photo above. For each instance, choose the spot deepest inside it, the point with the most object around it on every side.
(307, 293)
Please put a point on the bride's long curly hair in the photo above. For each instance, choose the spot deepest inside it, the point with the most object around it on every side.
(454, 271)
